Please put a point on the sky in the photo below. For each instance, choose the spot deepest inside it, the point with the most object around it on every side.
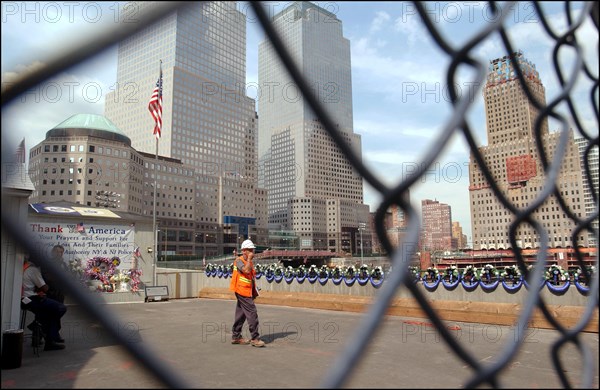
(400, 94)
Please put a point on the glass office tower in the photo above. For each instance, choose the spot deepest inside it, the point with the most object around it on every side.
(209, 124)
(308, 179)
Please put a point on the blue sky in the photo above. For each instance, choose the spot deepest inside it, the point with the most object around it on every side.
(400, 94)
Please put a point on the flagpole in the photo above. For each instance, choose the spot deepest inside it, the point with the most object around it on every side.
(155, 232)
(155, 107)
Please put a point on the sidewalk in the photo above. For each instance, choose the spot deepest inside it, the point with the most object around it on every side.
(193, 337)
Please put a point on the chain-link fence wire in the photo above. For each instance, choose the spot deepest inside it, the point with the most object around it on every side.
(338, 375)
(393, 195)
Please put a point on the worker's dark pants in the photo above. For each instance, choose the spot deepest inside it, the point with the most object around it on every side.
(245, 309)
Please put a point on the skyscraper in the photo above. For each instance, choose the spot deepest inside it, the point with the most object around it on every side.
(312, 188)
(208, 123)
(513, 159)
(458, 236)
(436, 234)
(590, 183)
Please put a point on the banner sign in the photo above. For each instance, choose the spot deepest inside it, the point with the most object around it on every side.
(84, 242)
(43, 208)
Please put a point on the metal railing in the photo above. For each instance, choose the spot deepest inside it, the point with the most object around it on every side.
(487, 374)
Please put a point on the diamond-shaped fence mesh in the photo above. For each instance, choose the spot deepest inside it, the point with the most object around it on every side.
(457, 123)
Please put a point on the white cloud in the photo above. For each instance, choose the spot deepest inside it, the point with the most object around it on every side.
(45, 106)
(43, 30)
(21, 71)
(412, 28)
(393, 64)
(376, 127)
(379, 22)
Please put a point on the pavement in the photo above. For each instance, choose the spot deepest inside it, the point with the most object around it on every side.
(187, 343)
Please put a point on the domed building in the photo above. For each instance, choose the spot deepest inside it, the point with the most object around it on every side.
(87, 160)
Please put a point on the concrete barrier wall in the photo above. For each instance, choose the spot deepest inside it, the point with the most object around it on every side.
(181, 283)
(497, 307)
(188, 283)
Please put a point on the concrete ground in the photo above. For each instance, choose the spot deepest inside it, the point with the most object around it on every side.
(190, 338)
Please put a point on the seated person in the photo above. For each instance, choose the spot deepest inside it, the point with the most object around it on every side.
(47, 311)
(54, 290)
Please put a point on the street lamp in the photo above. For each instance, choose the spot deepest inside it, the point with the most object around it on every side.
(157, 247)
(162, 246)
(166, 236)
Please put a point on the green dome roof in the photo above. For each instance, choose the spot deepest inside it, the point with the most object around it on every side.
(89, 125)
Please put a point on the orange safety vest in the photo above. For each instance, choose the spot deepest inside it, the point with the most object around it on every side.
(242, 283)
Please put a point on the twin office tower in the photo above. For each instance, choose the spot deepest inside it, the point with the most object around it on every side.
(273, 169)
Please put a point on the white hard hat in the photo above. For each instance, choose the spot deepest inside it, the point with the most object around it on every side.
(248, 244)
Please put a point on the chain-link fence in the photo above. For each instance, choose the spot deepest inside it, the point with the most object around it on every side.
(457, 123)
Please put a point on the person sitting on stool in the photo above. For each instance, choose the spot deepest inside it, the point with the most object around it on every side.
(47, 311)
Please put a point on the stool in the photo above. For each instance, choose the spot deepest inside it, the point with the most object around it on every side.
(36, 333)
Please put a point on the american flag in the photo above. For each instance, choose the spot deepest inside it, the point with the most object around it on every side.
(137, 252)
(20, 153)
(155, 105)
(80, 227)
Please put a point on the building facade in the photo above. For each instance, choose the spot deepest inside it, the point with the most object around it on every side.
(312, 188)
(458, 236)
(395, 226)
(589, 184)
(513, 158)
(208, 123)
(436, 233)
(87, 160)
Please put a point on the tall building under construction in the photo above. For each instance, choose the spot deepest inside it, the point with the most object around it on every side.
(515, 134)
